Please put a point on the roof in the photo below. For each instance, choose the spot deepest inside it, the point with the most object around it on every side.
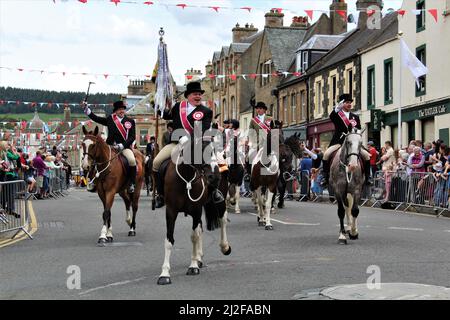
(36, 122)
(283, 43)
(239, 47)
(253, 37)
(216, 56)
(321, 42)
(356, 41)
(225, 51)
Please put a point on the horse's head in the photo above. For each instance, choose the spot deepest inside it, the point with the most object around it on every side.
(286, 157)
(90, 148)
(295, 144)
(351, 148)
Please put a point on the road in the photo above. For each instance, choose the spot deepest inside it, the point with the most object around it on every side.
(300, 256)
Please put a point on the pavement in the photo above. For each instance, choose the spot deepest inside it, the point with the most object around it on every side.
(299, 259)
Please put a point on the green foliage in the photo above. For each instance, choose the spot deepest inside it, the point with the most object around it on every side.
(32, 95)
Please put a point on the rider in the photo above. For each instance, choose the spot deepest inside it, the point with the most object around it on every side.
(344, 120)
(121, 135)
(184, 115)
(259, 127)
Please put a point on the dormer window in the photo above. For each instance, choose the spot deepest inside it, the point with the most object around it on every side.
(304, 61)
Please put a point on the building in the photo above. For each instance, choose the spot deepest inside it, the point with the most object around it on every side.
(425, 110)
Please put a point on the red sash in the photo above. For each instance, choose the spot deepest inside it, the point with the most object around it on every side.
(262, 125)
(120, 126)
(345, 119)
(183, 116)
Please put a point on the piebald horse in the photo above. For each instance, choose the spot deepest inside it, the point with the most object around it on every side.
(347, 179)
(109, 177)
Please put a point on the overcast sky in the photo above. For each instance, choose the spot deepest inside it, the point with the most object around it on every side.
(99, 37)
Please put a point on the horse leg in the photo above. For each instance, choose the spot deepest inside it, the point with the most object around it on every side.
(194, 268)
(171, 217)
(232, 192)
(353, 234)
(224, 244)
(268, 210)
(127, 201)
(106, 232)
(260, 206)
(341, 213)
(237, 195)
(281, 191)
(134, 206)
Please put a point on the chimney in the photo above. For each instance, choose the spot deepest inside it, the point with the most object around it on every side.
(66, 114)
(193, 75)
(240, 33)
(274, 18)
(338, 23)
(300, 22)
(362, 6)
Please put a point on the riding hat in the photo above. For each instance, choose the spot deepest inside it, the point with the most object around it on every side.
(346, 97)
(119, 105)
(261, 105)
(193, 87)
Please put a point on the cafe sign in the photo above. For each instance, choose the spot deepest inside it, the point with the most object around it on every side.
(432, 111)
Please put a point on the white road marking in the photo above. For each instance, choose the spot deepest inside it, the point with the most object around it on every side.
(121, 283)
(409, 229)
(291, 223)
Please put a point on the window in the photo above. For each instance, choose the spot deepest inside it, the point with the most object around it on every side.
(303, 104)
(371, 87)
(293, 107)
(319, 97)
(233, 107)
(285, 110)
(143, 137)
(334, 89)
(261, 70)
(388, 82)
(298, 62)
(350, 81)
(421, 55)
(225, 109)
(304, 61)
(420, 19)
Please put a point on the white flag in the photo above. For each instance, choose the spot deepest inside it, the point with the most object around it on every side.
(414, 65)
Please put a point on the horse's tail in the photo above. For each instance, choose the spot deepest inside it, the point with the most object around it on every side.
(212, 214)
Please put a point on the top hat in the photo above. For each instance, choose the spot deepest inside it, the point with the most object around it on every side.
(261, 105)
(193, 87)
(345, 97)
(119, 105)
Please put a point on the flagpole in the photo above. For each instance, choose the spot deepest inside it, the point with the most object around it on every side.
(399, 134)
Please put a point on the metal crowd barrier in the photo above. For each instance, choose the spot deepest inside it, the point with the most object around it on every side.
(57, 183)
(14, 214)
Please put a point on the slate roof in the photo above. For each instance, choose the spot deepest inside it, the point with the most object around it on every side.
(216, 56)
(239, 47)
(358, 40)
(282, 43)
(321, 42)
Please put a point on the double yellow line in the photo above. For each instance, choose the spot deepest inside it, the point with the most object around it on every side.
(32, 228)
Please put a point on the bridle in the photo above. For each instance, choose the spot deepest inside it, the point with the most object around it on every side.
(345, 156)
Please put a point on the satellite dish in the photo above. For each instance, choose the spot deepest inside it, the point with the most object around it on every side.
(351, 18)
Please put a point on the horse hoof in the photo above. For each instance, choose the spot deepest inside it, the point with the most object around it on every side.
(269, 228)
(132, 233)
(342, 241)
(200, 264)
(109, 239)
(352, 237)
(281, 206)
(164, 280)
(101, 242)
(237, 211)
(193, 271)
(227, 253)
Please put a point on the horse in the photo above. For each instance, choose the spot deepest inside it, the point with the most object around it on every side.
(110, 177)
(148, 169)
(186, 190)
(236, 174)
(292, 146)
(347, 179)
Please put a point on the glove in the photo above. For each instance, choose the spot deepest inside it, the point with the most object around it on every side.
(120, 146)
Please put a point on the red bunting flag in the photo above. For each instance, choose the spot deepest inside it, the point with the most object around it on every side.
(38, 136)
(115, 2)
(233, 77)
(18, 102)
(310, 14)
(216, 9)
(106, 75)
(189, 77)
(342, 13)
(246, 8)
(401, 12)
(433, 12)
(274, 74)
(297, 74)
(252, 75)
(182, 5)
(84, 1)
(211, 76)
(370, 12)
(278, 10)
(148, 3)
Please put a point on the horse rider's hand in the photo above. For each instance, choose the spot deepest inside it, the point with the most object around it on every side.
(84, 104)
(120, 146)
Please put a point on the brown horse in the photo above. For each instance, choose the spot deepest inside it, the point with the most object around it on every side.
(187, 189)
(110, 177)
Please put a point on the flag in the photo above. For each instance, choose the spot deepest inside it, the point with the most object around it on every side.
(414, 65)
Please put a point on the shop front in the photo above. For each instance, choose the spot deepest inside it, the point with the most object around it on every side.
(320, 134)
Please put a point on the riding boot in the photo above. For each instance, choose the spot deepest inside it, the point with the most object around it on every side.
(367, 182)
(132, 179)
(160, 189)
(326, 173)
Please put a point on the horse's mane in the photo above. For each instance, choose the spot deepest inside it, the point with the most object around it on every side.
(293, 143)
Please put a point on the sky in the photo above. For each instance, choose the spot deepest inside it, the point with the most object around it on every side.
(99, 37)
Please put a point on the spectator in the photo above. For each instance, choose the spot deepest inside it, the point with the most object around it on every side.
(316, 189)
(373, 158)
(317, 162)
(41, 167)
(416, 161)
(167, 135)
(440, 177)
(388, 159)
(9, 165)
(428, 151)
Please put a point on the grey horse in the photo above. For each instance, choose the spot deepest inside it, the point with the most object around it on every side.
(347, 179)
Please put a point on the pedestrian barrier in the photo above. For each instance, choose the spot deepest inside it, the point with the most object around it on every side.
(14, 214)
